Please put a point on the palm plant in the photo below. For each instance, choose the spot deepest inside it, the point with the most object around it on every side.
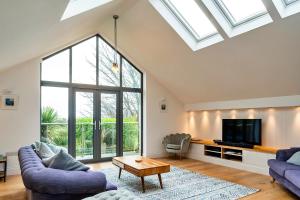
(49, 115)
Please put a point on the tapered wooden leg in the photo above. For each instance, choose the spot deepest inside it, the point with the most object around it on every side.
(120, 170)
(273, 180)
(143, 184)
(160, 181)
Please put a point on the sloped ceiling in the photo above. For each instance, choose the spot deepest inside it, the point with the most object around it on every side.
(264, 62)
(32, 28)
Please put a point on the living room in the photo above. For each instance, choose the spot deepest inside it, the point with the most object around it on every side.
(149, 99)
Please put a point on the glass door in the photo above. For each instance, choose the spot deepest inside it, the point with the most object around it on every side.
(85, 126)
(96, 125)
(109, 128)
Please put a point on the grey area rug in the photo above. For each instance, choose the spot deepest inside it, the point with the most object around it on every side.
(179, 184)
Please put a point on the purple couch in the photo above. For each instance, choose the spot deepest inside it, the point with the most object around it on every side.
(285, 173)
(46, 183)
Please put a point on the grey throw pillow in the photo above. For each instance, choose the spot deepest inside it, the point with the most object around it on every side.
(294, 159)
(64, 161)
(44, 151)
(56, 149)
(37, 145)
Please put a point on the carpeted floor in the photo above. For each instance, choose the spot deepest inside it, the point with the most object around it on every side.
(179, 184)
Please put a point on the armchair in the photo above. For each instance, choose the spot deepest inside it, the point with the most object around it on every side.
(177, 143)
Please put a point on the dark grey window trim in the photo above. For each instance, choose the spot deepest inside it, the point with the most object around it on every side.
(73, 87)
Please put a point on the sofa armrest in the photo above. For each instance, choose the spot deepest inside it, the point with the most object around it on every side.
(54, 181)
(285, 154)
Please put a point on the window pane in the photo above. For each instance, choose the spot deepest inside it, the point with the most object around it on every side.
(56, 68)
(191, 15)
(84, 125)
(84, 62)
(108, 123)
(131, 77)
(76, 7)
(54, 116)
(131, 123)
(106, 57)
(239, 11)
(287, 2)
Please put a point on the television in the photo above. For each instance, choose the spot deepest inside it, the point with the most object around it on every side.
(241, 131)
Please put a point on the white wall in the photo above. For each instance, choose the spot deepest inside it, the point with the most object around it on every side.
(21, 126)
(281, 126)
(160, 124)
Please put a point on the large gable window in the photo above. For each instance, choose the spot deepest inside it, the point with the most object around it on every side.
(237, 17)
(287, 7)
(189, 21)
(87, 107)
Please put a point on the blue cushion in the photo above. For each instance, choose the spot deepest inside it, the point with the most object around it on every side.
(293, 177)
(294, 159)
(64, 161)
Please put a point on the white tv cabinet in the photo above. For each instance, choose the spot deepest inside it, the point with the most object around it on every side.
(254, 160)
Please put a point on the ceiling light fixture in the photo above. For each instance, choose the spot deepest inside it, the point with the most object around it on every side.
(115, 66)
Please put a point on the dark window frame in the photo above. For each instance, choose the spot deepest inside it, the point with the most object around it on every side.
(72, 87)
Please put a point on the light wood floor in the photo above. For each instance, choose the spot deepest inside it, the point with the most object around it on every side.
(13, 189)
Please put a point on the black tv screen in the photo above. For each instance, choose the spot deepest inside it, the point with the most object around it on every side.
(247, 131)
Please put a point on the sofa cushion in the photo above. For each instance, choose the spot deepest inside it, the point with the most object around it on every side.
(56, 149)
(114, 195)
(281, 166)
(44, 151)
(293, 176)
(294, 159)
(173, 146)
(64, 161)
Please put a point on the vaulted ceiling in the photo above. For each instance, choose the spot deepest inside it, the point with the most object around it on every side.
(32, 28)
(264, 62)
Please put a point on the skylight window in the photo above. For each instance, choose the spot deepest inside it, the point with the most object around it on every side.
(287, 7)
(288, 2)
(191, 16)
(238, 11)
(238, 16)
(189, 21)
(76, 7)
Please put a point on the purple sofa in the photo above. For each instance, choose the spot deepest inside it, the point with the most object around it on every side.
(46, 183)
(285, 173)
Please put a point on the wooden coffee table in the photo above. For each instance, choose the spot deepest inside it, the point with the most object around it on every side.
(141, 169)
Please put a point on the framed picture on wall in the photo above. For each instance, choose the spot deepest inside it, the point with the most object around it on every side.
(9, 102)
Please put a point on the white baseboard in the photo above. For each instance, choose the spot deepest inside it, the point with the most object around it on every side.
(156, 155)
(12, 172)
